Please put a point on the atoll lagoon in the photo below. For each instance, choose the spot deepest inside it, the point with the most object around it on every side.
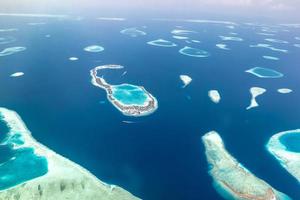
(262, 72)
(162, 43)
(230, 178)
(194, 52)
(133, 32)
(284, 146)
(49, 175)
(129, 99)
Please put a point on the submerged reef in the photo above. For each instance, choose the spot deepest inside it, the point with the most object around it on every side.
(230, 178)
(262, 72)
(31, 171)
(162, 43)
(285, 147)
(11, 50)
(133, 32)
(129, 99)
(194, 52)
(94, 48)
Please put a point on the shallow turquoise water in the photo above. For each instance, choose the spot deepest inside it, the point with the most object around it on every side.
(291, 141)
(129, 94)
(20, 164)
(268, 73)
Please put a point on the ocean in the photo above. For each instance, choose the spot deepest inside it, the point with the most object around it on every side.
(160, 156)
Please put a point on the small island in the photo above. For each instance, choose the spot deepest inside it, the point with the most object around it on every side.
(214, 96)
(284, 146)
(31, 171)
(255, 92)
(230, 178)
(129, 99)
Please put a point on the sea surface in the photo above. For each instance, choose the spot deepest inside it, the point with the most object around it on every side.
(160, 156)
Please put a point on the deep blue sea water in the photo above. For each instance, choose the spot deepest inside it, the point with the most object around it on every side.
(161, 156)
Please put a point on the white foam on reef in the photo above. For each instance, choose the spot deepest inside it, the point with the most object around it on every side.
(229, 38)
(255, 92)
(75, 178)
(288, 159)
(230, 178)
(276, 41)
(73, 58)
(133, 32)
(186, 80)
(284, 90)
(32, 15)
(111, 18)
(270, 58)
(11, 50)
(162, 43)
(253, 70)
(297, 45)
(94, 48)
(222, 46)
(214, 96)
(194, 52)
(297, 38)
(17, 74)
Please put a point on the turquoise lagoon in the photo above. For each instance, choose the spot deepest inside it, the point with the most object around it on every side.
(291, 141)
(264, 72)
(129, 94)
(18, 161)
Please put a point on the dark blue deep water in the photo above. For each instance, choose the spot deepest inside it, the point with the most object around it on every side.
(160, 156)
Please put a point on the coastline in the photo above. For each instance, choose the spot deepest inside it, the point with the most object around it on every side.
(76, 181)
